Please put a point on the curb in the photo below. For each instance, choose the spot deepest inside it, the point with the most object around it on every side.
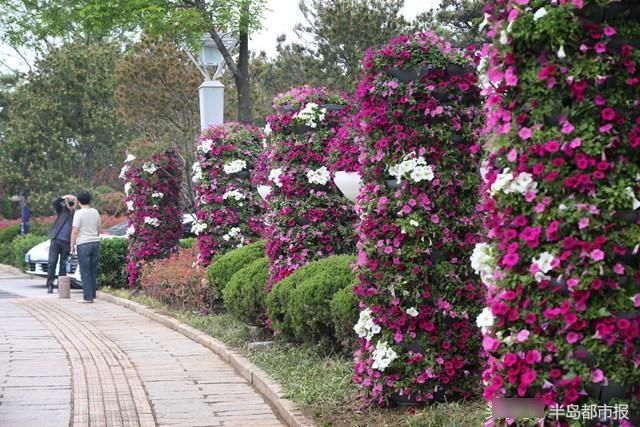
(263, 383)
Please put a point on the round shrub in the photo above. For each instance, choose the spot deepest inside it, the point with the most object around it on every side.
(244, 295)
(225, 266)
(229, 209)
(309, 217)
(187, 243)
(7, 235)
(112, 266)
(310, 300)
(344, 314)
(561, 189)
(418, 223)
(22, 244)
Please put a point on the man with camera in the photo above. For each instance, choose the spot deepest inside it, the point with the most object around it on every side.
(60, 235)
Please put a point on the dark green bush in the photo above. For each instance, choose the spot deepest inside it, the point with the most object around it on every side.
(224, 267)
(187, 243)
(310, 301)
(21, 245)
(7, 235)
(277, 306)
(112, 265)
(344, 314)
(39, 228)
(244, 295)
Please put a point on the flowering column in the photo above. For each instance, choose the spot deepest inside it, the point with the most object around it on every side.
(309, 217)
(229, 211)
(418, 295)
(152, 175)
(561, 182)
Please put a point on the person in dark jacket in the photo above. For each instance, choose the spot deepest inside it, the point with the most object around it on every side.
(60, 235)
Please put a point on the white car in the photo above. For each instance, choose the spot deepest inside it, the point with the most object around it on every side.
(37, 259)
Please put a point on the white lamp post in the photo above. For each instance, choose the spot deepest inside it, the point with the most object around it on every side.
(211, 91)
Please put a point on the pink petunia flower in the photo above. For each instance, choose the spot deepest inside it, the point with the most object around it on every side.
(523, 335)
(597, 255)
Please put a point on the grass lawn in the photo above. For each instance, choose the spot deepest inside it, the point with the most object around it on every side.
(319, 383)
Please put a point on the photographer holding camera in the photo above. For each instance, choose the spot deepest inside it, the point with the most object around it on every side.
(60, 235)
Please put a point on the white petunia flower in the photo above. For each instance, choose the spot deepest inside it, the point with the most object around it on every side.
(502, 181)
(311, 114)
(635, 203)
(414, 223)
(154, 222)
(522, 184)
(382, 356)
(485, 320)
(234, 166)
(319, 176)
(561, 53)
(267, 129)
(198, 227)
(234, 233)
(205, 146)
(127, 188)
(130, 158)
(157, 195)
(422, 173)
(129, 205)
(504, 38)
(366, 328)
(123, 171)
(412, 312)
(274, 176)
(540, 13)
(197, 172)
(130, 231)
(149, 167)
(234, 194)
(544, 262)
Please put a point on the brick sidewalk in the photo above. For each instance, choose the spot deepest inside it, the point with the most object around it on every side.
(64, 363)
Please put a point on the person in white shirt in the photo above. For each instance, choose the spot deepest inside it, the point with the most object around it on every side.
(85, 241)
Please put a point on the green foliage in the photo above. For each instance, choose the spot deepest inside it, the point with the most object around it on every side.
(187, 243)
(309, 305)
(224, 267)
(7, 235)
(244, 295)
(62, 128)
(458, 21)
(299, 306)
(344, 315)
(22, 244)
(112, 267)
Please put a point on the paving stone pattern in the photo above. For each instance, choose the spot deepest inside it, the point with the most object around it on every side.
(108, 366)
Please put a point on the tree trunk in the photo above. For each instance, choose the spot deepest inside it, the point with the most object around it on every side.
(242, 80)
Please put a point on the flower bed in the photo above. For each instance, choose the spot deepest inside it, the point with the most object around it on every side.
(229, 211)
(309, 217)
(418, 295)
(561, 184)
(152, 175)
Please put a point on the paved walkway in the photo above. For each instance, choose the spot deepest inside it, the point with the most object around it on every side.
(69, 364)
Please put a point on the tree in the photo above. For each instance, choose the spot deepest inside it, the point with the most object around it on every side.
(456, 20)
(157, 86)
(62, 129)
(183, 20)
(342, 30)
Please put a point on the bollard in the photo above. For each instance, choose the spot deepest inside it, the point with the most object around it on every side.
(64, 287)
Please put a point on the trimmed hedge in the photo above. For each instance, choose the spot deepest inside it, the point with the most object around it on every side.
(344, 314)
(244, 295)
(21, 245)
(187, 243)
(224, 267)
(112, 266)
(300, 305)
(7, 235)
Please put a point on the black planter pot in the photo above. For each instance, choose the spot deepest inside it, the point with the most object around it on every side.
(612, 390)
(300, 220)
(585, 356)
(289, 108)
(591, 13)
(426, 70)
(404, 75)
(402, 401)
(457, 70)
(627, 216)
(618, 42)
(552, 119)
(629, 258)
(436, 256)
(392, 183)
(470, 98)
(416, 348)
(441, 95)
(628, 315)
(593, 390)
(333, 107)
(617, 11)
(300, 129)
(457, 138)
(241, 174)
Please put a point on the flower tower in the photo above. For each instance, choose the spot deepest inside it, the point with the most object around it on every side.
(309, 217)
(229, 211)
(152, 174)
(561, 186)
(418, 295)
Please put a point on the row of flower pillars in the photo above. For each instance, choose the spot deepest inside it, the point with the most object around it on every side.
(308, 217)
(561, 185)
(229, 212)
(153, 175)
(418, 296)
